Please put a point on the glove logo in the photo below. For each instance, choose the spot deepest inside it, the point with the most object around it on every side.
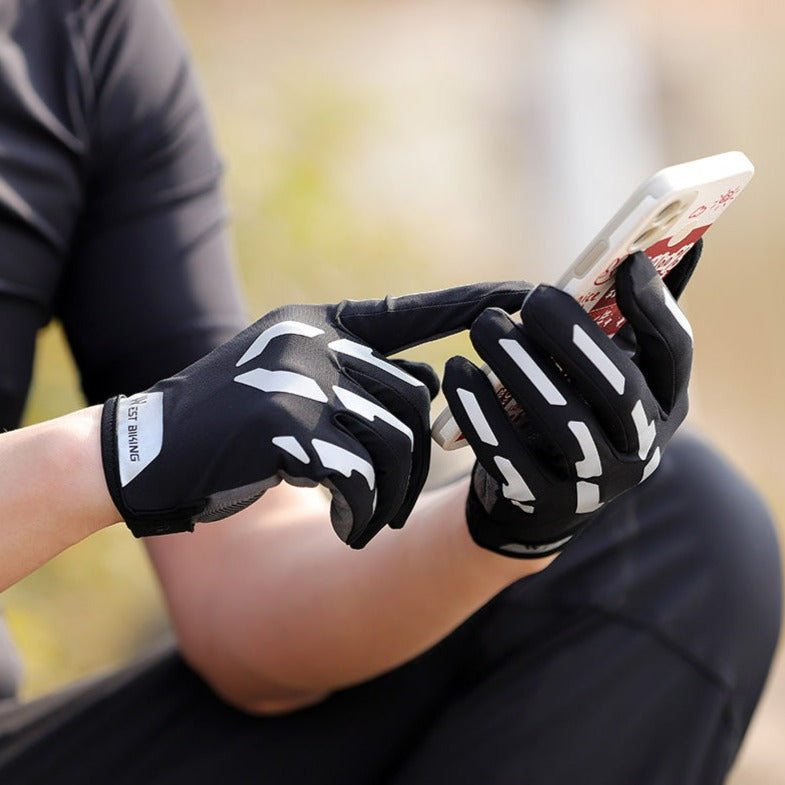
(140, 430)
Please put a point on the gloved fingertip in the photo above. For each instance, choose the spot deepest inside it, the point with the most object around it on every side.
(546, 299)
(455, 364)
(356, 534)
(640, 263)
(635, 273)
(493, 319)
(423, 373)
(637, 280)
(678, 278)
(361, 538)
(341, 517)
(459, 372)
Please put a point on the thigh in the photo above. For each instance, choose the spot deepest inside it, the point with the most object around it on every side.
(157, 723)
(638, 656)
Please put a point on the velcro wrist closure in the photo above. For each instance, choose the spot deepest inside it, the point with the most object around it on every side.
(141, 524)
(158, 524)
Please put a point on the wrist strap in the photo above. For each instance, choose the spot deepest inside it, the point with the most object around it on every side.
(141, 524)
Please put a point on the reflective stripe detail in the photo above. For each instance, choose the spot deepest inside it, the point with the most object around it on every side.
(361, 352)
(475, 414)
(343, 461)
(647, 431)
(284, 382)
(653, 463)
(678, 314)
(282, 328)
(533, 372)
(590, 466)
(371, 411)
(588, 497)
(598, 358)
(514, 488)
(140, 433)
(293, 447)
(517, 547)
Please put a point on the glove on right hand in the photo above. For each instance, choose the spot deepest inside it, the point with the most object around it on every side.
(595, 422)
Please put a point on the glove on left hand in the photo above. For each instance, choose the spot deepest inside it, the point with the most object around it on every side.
(305, 394)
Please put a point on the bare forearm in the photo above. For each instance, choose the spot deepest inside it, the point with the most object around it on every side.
(288, 612)
(52, 491)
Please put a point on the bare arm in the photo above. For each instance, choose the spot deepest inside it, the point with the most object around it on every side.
(52, 491)
(276, 612)
(269, 605)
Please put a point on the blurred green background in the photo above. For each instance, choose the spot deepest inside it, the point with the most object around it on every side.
(386, 147)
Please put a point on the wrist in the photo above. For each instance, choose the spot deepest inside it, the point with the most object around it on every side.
(52, 491)
(76, 443)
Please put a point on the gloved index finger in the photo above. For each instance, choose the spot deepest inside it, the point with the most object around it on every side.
(396, 323)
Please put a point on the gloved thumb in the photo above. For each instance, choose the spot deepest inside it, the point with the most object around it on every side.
(678, 278)
(422, 372)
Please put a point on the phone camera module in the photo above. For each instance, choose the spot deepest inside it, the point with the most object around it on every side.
(669, 213)
(645, 239)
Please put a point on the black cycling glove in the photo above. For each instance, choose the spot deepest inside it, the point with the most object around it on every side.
(305, 394)
(596, 416)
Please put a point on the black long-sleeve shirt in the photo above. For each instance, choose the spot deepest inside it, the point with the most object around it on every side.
(111, 213)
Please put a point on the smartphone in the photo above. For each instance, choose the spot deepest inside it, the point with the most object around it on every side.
(664, 217)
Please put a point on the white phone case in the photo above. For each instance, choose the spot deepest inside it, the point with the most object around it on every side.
(665, 217)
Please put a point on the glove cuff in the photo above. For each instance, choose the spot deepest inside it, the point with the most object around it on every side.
(492, 534)
(141, 524)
